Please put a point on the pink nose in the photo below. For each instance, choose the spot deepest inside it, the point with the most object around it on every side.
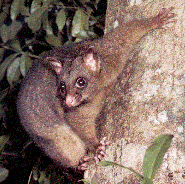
(70, 101)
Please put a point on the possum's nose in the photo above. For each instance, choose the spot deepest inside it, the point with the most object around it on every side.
(70, 101)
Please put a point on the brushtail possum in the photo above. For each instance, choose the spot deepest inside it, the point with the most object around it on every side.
(63, 93)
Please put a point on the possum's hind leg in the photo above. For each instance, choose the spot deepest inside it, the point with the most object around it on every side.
(63, 146)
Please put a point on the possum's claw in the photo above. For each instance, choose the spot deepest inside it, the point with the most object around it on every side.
(83, 163)
(100, 151)
(82, 167)
(99, 155)
(164, 17)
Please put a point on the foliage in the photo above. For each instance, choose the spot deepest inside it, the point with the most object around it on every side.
(152, 160)
(28, 28)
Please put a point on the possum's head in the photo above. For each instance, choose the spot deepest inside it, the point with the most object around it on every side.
(78, 78)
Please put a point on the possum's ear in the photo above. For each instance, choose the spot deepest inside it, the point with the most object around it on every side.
(55, 64)
(92, 61)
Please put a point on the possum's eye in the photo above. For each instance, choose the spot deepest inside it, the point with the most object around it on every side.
(63, 87)
(81, 82)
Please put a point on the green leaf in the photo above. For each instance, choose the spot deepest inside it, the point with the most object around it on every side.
(35, 173)
(4, 33)
(84, 1)
(3, 93)
(13, 71)
(4, 14)
(105, 163)
(97, 1)
(4, 65)
(61, 19)
(1, 54)
(36, 4)
(154, 155)
(53, 40)
(16, 46)
(147, 181)
(9, 32)
(86, 34)
(25, 63)
(48, 2)
(77, 40)
(80, 22)
(3, 173)
(46, 25)
(25, 10)
(34, 20)
(16, 8)
(96, 4)
(43, 178)
(3, 141)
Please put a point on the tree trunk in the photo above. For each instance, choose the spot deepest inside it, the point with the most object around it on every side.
(149, 98)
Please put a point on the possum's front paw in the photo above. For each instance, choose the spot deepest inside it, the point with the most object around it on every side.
(83, 163)
(164, 17)
(99, 155)
(101, 150)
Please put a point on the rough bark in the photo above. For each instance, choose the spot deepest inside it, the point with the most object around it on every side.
(149, 98)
